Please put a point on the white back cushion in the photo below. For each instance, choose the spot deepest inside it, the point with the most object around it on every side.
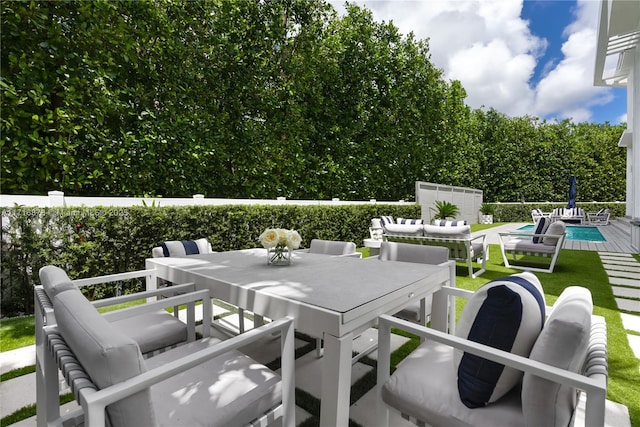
(562, 343)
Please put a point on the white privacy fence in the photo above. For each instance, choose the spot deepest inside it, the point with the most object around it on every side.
(468, 200)
(58, 199)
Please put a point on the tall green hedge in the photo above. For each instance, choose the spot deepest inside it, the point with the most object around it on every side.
(260, 99)
(89, 242)
(520, 212)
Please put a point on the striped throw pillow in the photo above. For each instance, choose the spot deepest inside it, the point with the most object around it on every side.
(449, 223)
(540, 228)
(386, 220)
(185, 247)
(410, 221)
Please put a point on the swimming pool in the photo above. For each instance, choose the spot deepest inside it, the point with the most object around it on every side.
(577, 232)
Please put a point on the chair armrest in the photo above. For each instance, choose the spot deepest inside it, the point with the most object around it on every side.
(516, 233)
(479, 236)
(352, 255)
(596, 388)
(114, 277)
(170, 290)
(96, 401)
(202, 295)
(532, 235)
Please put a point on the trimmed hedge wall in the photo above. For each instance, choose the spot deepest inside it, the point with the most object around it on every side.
(89, 242)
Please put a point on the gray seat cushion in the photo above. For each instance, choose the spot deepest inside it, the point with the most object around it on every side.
(231, 389)
(153, 331)
(528, 246)
(425, 387)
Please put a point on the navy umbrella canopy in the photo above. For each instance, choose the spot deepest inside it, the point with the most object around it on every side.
(573, 189)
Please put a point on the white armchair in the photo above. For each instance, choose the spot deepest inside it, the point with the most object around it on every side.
(206, 382)
(569, 354)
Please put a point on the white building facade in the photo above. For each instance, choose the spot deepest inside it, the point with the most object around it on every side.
(618, 65)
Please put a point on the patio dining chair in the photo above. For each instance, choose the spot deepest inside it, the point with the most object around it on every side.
(333, 247)
(407, 252)
(502, 367)
(153, 330)
(207, 382)
(181, 248)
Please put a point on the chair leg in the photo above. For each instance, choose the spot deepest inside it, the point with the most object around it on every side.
(241, 320)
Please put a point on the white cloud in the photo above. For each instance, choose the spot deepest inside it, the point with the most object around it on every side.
(568, 87)
(622, 118)
(488, 47)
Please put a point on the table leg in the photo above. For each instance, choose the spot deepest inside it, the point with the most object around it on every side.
(336, 381)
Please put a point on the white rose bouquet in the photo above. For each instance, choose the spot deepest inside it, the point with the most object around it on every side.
(275, 240)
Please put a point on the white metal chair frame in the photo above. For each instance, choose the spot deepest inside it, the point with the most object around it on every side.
(94, 402)
(593, 383)
(531, 250)
(47, 388)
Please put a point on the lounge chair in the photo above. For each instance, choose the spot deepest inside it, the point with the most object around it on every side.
(536, 214)
(544, 242)
(599, 218)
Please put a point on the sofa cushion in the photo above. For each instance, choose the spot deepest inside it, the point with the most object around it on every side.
(185, 247)
(540, 227)
(453, 232)
(449, 223)
(409, 221)
(507, 314)
(386, 219)
(106, 354)
(556, 228)
(562, 343)
(404, 229)
(55, 280)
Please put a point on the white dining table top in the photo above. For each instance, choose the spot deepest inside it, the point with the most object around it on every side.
(339, 284)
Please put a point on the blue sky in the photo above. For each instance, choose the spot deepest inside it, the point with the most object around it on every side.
(533, 57)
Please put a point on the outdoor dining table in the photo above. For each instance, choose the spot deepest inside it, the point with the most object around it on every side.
(331, 297)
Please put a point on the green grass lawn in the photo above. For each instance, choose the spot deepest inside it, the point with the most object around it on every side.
(582, 268)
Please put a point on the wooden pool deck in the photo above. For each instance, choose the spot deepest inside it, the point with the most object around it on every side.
(617, 235)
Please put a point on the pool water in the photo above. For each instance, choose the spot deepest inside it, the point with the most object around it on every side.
(577, 232)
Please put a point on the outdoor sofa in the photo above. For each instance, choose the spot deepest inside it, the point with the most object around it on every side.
(454, 235)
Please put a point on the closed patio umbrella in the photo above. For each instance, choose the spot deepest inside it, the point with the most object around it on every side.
(573, 189)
